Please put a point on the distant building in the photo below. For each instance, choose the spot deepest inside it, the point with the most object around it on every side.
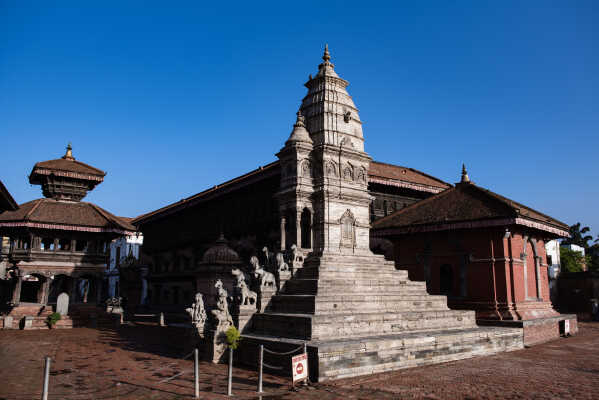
(120, 249)
(58, 244)
(553, 267)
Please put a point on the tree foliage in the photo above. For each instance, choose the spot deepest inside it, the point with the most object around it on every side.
(578, 236)
(572, 261)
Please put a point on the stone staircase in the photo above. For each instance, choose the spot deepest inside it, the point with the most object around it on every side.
(360, 315)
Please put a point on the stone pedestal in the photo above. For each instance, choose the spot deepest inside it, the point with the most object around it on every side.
(264, 295)
(216, 346)
(284, 276)
(7, 322)
(242, 316)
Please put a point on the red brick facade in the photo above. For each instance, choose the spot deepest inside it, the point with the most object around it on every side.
(500, 274)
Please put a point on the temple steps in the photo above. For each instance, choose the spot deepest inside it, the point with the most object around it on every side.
(356, 272)
(349, 284)
(356, 324)
(343, 358)
(389, 301)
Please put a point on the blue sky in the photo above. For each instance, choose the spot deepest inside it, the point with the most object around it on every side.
(170, 100)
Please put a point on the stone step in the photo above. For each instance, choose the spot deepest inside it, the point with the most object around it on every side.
(311, 273)
(320, 326)
(357, 356)
(313, 286)
(391, 302)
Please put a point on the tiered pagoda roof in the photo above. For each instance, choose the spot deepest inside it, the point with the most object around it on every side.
(65, 181)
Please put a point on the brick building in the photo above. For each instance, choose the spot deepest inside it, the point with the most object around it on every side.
(482, 250)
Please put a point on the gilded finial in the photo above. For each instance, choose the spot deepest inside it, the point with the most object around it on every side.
(69, 154)
(326, 57)
(465, 177)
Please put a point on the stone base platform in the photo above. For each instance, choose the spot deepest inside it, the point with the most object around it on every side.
(349, 357)
(538, 330)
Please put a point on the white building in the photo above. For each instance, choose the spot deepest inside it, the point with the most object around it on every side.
(120, 249)
(553, 267)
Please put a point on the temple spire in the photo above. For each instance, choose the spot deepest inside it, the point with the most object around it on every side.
(69, 154)
(465, 177)
(326, 67)
(326, 57)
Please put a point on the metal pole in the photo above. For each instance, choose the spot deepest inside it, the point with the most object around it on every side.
(230, 384)
(261, 358)
(46, 378)
(306, 353)
(196, 373)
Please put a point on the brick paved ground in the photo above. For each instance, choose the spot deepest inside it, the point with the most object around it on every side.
(130, 363)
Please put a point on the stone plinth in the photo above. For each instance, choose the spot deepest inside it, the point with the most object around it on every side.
(359, 315)
(242, 315)
(265, 295)
(216, 346)
(284, 276)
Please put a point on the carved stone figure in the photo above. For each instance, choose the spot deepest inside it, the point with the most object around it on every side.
(264, 277)
(297, 258)
(221, 312)
(243, 294)
(241, 275)
(197, 312)
(281, 264)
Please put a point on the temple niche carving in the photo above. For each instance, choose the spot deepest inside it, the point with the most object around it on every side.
(348, 233)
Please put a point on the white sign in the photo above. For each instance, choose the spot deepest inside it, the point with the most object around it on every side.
(566, 327)
(299, 366)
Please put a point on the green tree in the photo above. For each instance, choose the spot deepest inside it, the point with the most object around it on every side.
(578, 236)
(572, 261)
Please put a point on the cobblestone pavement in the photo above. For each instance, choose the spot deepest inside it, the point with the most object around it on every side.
(130, 363)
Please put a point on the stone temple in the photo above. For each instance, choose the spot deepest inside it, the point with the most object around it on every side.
(357, 313)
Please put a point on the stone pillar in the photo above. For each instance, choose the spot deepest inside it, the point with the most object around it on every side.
(538, 276)
(73, 292)
(283, 241)
(16, 293)
(298, 228)
(45, 291)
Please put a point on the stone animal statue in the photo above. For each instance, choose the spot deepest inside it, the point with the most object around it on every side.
(281, 264)
(246, 296)
(264, 277)
(221, 312)
(240, 275)
(197, 312)
(297, 257)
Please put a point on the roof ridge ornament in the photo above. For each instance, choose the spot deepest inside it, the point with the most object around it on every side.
(69, 154)
(465, 177)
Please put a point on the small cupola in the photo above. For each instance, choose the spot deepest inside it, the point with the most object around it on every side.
(299, 133)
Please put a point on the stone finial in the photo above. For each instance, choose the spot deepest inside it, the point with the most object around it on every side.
(465, 177)
(327, 56)
(69, 154)
(327, 67)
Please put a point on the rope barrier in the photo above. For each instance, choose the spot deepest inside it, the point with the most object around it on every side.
(270, 366)
(284, 353)
(174, 376)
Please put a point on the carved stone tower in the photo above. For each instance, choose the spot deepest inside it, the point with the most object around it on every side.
(330, 179)
(295, 195)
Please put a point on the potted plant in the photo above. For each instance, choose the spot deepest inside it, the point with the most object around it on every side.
(53, 319)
